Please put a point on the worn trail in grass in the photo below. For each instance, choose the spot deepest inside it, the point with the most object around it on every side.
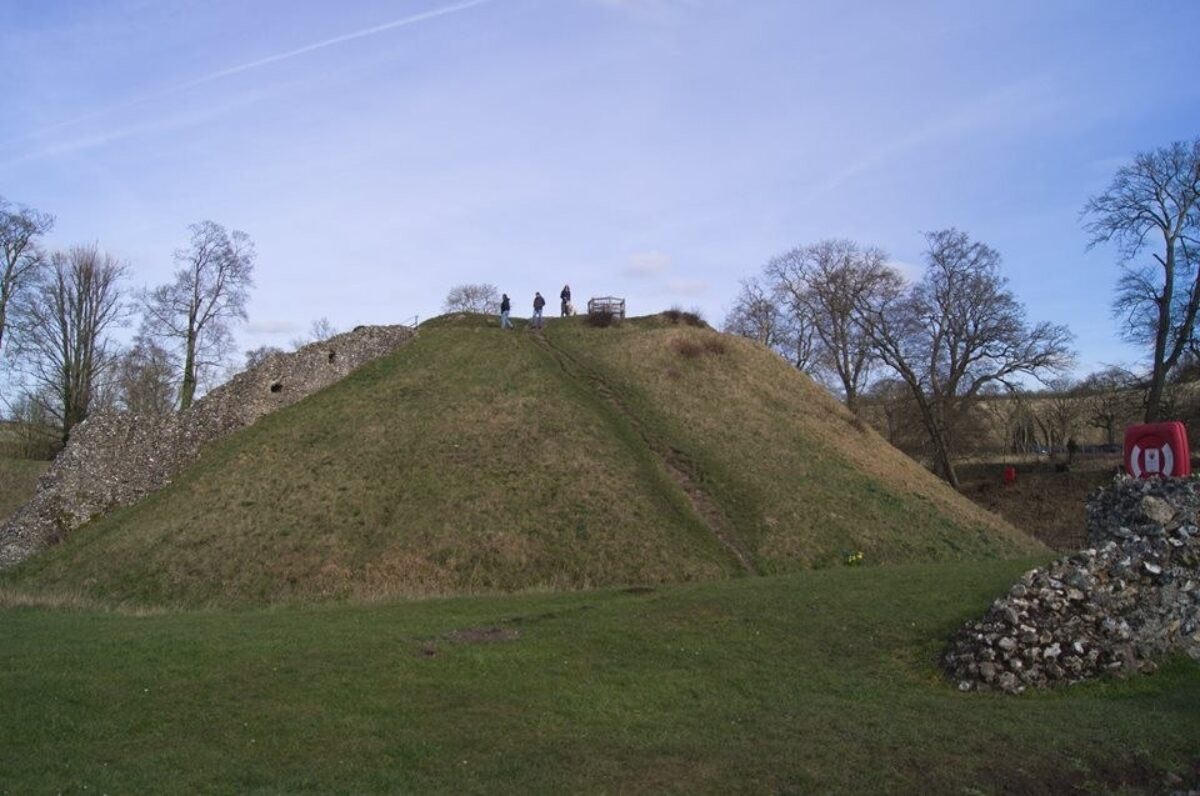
(822, 680)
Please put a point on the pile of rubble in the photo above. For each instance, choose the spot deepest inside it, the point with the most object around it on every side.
(1131, 597)
(114, 460)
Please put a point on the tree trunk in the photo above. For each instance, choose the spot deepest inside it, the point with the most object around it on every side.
(942, 459)
(188, 389)
(1154, 398)
(1159, 374)
(943, 465)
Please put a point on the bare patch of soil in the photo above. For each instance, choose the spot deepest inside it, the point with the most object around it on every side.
(484, 635)
(1045, 503)
(1134, 774)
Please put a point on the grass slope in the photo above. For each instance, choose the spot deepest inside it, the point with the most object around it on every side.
(817, 682)
(18, 478)
(802, 479)
(474, 460)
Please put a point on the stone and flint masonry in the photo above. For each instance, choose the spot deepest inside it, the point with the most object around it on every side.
(114, 460)
(1130, 598)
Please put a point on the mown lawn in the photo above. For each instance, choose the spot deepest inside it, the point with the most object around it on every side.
(817, 681)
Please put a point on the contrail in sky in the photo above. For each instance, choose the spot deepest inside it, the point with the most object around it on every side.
(270, 59)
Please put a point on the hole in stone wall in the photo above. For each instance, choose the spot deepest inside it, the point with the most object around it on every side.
(277, 386)
(332, 356)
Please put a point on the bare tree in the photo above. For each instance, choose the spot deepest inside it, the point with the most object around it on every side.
(761, 313)
(209, 291)
(257, 356)
(1028, 432)
(1014, 423)
(897, 417)
(1060, 412)
(21, 259)
(320, 331)
(956, 332)
(1153, 205)
(145, 379)
(1110, 397)
(822, 284)
(482, 298)
(757, 314)
(64, 331)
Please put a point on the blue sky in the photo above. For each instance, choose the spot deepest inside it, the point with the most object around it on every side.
(380, 152)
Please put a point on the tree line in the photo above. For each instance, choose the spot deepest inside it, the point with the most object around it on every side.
(59, 311)
(932, 348)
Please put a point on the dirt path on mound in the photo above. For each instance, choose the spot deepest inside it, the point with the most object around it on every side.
(680, 470)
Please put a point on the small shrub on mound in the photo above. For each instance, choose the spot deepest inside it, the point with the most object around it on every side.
(677, 316)
(601, 319)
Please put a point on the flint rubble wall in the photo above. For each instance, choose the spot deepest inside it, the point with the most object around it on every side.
(1130, 598)
(115, 459)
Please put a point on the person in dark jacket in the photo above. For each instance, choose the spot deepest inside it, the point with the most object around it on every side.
(538, 303)
(565, 295)
(505, 308)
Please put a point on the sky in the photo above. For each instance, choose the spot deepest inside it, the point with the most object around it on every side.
(380, 152)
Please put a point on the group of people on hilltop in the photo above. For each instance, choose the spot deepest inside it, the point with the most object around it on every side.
(539, 303)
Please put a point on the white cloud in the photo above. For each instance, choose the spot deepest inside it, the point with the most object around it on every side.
(272, 327)
(647, 264)
(687, 287)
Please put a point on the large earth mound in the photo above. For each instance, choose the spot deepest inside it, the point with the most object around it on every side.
(475, 459)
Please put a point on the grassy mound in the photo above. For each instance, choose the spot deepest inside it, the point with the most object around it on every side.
(477, 460)
(817, 682)
(804, 481)
(18, 478)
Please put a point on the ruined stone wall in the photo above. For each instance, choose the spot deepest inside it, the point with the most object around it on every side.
(114, 460)
(1117, 606)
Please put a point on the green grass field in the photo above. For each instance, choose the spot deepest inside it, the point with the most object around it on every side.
(244, 628)
(820, 681)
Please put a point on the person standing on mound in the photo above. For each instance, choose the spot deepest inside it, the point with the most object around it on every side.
(505, 308)
(538, 304)
(565, 295)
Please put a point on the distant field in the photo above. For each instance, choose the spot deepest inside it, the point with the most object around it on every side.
(821, 681)
(18, 477)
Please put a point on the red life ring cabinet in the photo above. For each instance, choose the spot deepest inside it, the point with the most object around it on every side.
(1157, 450)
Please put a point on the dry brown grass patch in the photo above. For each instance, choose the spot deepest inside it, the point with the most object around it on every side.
(71, 601)
(691, 349)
